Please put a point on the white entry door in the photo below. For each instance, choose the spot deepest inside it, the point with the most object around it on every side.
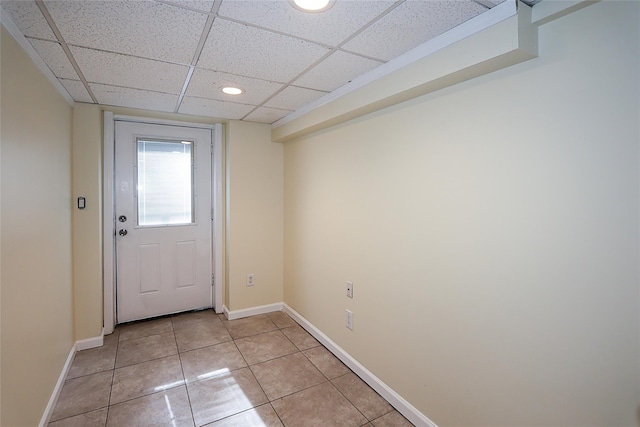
(163, 219)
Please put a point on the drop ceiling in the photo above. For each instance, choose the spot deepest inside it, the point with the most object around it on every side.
(176, 56)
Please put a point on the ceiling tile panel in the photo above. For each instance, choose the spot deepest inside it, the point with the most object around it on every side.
(214, 108)
(129, 71)
(77, 90)
(143, 28)
(331, 27)
(411, 24)
(28, 18)
(266, 115)
(55, 58)
(293, 98)
(336, 70)
(209, 84)
(204, 6)
(134, 98)
(247, 51)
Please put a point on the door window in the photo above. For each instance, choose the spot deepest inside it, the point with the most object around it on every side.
(164, 187)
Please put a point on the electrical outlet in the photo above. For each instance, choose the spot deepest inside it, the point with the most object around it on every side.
(251, 279)
(350, 289)
(349, 319)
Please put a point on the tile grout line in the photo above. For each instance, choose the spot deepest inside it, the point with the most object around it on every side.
(184, 377)
(353, 403)
(113, 375)
(144, 361)
(269, 401)
(276, 412)
(330, 380)
(349, 400)
(254, 377)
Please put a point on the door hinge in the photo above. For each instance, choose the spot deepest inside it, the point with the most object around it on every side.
(213, 280)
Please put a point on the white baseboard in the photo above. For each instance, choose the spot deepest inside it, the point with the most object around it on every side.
(261, 309)
(401, 405)
(46, 416)
(90, 342)
(79, 345)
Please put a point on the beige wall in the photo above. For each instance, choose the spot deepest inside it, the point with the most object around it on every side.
(37, 318)
(87, 223)
(254, 216)
(491, 230)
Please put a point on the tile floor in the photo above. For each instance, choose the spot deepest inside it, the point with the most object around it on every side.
(199, 369)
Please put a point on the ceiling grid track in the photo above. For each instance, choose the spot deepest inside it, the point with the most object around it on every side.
(65, 47)
(331, 52)
(485, 3)
(203, 38)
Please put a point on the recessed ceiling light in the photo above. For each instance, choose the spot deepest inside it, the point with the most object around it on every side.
(312, 5)
(232, 90)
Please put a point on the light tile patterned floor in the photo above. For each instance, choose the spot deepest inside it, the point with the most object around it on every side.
(198, 369)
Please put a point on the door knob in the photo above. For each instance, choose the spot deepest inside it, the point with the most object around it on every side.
(122, 232)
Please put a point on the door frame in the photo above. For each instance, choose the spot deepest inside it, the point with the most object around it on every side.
(108, 210)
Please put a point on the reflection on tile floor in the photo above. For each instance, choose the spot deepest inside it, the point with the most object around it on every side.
(199, 369)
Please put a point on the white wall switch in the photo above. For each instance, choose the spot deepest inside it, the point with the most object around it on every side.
(350, 289)
(251, 279)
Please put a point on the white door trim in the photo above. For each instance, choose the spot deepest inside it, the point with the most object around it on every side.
(108, 225)
(217, 198)
(108, 216)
